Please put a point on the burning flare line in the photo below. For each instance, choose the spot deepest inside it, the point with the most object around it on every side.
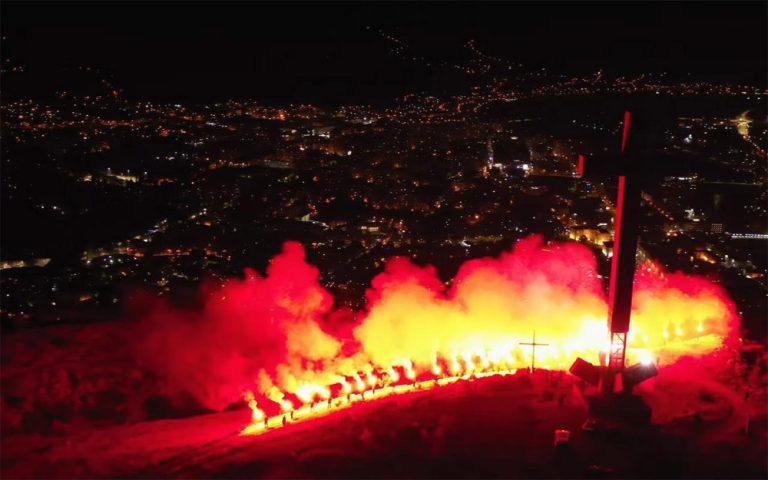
(416, 335)
(278, 340)
(317, 400)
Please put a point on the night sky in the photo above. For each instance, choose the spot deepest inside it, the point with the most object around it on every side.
(323, 52)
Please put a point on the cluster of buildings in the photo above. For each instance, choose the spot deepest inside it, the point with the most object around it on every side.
(103, 198)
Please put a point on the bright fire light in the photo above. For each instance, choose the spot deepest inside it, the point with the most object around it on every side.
(279, 339)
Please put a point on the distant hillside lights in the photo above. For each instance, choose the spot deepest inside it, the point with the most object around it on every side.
(108, 176)
(749, 236)
(124, 178)
(35, 262)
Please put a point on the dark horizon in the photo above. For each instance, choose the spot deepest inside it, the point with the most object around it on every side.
(327, 54)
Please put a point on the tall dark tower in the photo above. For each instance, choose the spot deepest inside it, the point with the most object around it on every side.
(623, 264)
(642, 159)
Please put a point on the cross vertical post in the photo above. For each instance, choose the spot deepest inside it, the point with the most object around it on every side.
(646, 158)
(623, 264)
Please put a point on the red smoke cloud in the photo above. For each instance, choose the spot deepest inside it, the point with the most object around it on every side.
(279, 336)
(245, 326)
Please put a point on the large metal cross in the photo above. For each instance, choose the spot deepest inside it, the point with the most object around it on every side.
(624, 252)
(641, 160)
